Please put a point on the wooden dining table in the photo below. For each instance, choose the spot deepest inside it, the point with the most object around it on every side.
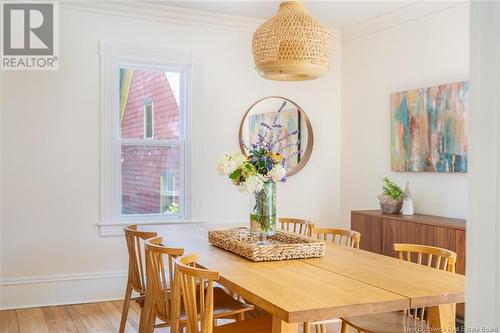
(344, 282)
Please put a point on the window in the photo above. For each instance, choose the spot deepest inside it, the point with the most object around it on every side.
(151, 142)
(145, 107)
(148, 119)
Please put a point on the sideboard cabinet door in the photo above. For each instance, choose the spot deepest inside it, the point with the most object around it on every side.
(394, 231)
(370, 228)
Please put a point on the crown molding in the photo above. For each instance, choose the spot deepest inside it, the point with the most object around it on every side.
(412, 12)
(150, 11)
(164, 13)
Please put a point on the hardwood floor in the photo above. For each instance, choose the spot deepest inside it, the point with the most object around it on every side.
(103, 317)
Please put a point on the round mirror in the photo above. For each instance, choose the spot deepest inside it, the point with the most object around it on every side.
(281, 126)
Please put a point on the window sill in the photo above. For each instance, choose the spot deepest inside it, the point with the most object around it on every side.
(115, 228)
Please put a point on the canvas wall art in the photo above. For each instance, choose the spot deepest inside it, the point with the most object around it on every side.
(429, 129)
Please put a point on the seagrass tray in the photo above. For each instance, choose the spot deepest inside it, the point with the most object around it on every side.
(282, 246)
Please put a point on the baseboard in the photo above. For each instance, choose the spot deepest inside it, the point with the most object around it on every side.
(61, 289)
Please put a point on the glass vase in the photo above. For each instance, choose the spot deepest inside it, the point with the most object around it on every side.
(263, 212)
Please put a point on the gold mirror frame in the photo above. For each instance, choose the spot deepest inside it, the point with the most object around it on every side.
(310, 136)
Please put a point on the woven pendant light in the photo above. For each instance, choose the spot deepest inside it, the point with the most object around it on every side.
(292, 45)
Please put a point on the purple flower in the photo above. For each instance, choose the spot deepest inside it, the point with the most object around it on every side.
(276, 116)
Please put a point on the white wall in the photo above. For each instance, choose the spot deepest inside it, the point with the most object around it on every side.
(51, 251)
(425, 52)
(483, 232)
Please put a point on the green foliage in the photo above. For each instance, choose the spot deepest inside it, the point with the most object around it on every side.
(173, 208)
(236, 174)
(260, 159)
(392, 189)
(240, 174)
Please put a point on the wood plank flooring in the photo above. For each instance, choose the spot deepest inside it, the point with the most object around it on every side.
(103, 317)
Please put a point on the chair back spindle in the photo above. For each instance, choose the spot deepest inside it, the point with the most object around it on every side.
(349, 238)
(299, 226)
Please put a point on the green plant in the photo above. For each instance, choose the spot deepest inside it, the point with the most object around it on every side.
(174, 208)
(392, 189)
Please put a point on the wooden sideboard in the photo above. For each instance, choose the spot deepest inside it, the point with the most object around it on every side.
(380, 231)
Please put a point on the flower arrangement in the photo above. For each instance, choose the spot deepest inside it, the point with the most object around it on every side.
(250, 173)
(258, 171)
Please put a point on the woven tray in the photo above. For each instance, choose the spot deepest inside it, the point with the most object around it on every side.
(282, 246)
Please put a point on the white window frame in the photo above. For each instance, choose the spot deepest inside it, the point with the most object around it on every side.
(114, 56)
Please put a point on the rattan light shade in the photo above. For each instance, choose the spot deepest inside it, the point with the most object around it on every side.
(292, 45)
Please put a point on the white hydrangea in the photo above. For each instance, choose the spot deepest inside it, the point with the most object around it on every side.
(277, 173)
(230, 162)
(252, 184)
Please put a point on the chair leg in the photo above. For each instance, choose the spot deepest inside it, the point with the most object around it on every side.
(344, 327)
(317, 328)
(151, 318)
(323, 328)
(126, 305)
(307, 327)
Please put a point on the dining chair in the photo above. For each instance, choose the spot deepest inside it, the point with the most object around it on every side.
(158, 303)
(412, 320)
(300, 226)
(160, 289)
(345, 237)
(195, 291)
(136, 268)
(349, 238)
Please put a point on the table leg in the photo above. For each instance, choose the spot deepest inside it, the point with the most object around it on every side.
(280, 326)
(442, 318)
(345, 327)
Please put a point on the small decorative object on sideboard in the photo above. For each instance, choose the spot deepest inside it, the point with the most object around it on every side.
(391, 199)
(407, 201)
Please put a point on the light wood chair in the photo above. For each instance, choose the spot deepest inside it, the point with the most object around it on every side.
(136, 268)
(160, 289)
(300, 226)
(159, 285)
(194, 290)
(412, 320)
(349, 238)
(345, 237)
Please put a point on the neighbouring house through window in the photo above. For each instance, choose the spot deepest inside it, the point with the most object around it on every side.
(151, 141)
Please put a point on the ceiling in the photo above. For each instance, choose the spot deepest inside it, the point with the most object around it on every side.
(335, 14)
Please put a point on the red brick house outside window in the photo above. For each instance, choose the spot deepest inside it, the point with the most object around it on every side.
(150, 115)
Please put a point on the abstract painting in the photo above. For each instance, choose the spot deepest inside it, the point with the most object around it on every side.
(429, 129)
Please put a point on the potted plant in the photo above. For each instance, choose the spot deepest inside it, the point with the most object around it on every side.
(391, 199)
